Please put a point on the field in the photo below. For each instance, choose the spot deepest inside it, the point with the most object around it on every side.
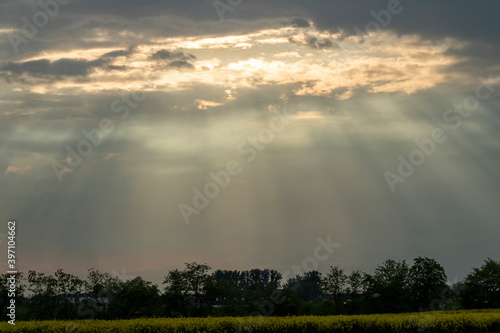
(449, 321)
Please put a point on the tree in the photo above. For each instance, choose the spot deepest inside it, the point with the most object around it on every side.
(228, 292)
(334, 286)
(44, 298)
(100, 288)
(356, 288)
(307, 286)
(176, 292)
(427, 282)
(188, 284)
(389, 287)
(263, 281)
(481, 288)
(135, 298)
(198, 279)
(69, 287)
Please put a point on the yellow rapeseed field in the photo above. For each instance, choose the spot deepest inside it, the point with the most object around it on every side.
(432, 322)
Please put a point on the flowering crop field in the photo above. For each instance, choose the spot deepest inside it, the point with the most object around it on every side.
(448, 321)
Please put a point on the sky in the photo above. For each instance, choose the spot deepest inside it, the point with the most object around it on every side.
(136, 136)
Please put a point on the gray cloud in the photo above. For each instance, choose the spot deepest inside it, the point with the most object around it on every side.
(180, 59)
(170, 55)
(61, 67)
(316, 43)
(300, 23)
(180, 64)
(119, 53)
(320, 44)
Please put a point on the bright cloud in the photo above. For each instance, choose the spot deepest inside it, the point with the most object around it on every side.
(315, 60)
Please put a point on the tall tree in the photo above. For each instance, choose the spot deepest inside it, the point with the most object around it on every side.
(44, 298)
(481, 288)
(389, 287)
(69, 289)
(356, 288)
(307, 286)
(334, 286)
(100, 288)
(176, 292)
(263, 280)
(198, 280)
(135, 298)
(428, 281)
(188, 284)
(228, 292)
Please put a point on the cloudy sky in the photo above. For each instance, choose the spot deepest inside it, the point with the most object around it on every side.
(139, 135)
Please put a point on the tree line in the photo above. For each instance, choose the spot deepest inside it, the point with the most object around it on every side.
(394, 286)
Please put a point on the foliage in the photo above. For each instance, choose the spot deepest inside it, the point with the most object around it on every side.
(136, 298)
(389, 287)
(481, 288)
(394, 287)
(334, 286)
(427, 282)
(187, 290)
(307, 286)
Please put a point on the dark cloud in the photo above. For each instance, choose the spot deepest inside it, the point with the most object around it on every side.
(464, 19)
(320, 44)
(300, 23)
(461, 18)
(44, 67)
(63, 67)
(180, 59)
(475, 58)
(180, 64)
(118, 53)
(170, 55)
(116, 68)
(316, 43)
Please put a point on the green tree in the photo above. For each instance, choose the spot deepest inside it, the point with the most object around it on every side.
(355, 290)
(198, 280)
(307, 286)
(389, 287)
(227, 293)
(334, 286)
(190, 284)
(44, 295)
(481, 288)
(427, 283)
(69, 289)
(176, 292)
(135, 298)
(100, 288)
